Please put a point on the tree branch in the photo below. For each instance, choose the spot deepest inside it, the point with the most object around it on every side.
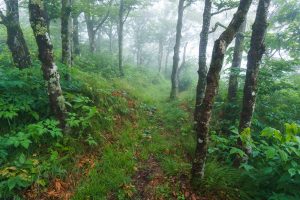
(129, 9)
(2, 16)
(101, 21)
(189, 2)
(222, 10)
(216, 26)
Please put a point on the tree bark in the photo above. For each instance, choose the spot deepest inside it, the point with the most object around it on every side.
(236, 64)
(91, 32)
(45, 48)
(231, 107)
(15, 38)
(66, 24)
(120, 37)
(255, 54)
(213, 76)
(76, 47)
(110, 35)
(174, 76)
(160, 54)
(202, 71)
(167, 57)
(183, 63)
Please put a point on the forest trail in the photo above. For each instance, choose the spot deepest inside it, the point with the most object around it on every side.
(135, 163)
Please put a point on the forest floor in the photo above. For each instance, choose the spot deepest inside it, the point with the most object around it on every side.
(143, 160)
(147, 154)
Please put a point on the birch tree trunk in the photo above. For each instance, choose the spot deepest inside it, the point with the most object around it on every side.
(213, 76)
(174, 76)
(45, 48)
(255, 54)
(15, 38)
(202, 70)
(66, 24)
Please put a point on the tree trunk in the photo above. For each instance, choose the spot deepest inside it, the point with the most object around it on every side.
(167, 58)
(47, 18)
(183, 63)
(174, 76)
(76, 47)
(230, 115)
(202, 71)
(51, 75)
(255, 54)
(236, 65)
(110, 35)
(15, 38)
(98, 42)
(66, 32)
(120, 38)
(139, 56)
(160, 54)
(213, 76)
(91, 32)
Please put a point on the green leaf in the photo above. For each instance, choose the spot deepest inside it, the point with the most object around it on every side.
(22, 158)
(292, 171)
(283, 155)
(25, 143)
(235, 150)
(11, 183)
(270, 152)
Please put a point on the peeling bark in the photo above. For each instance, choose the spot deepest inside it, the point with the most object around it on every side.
(66, 24)
(15, 38)
(45, 48)
(202, 71)
(255, 54)
(213, 76)
(174, 76)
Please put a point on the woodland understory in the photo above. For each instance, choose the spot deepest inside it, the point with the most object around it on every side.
(149, 100)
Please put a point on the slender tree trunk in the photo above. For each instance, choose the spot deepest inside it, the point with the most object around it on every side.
(213, 76)
(202, 71)
(66, 25)
(15, 38)
(174, 76)
(167, 58)
(255, 54)
(120, 34)
(231, 106)
(110, 35)
(51, 75)
(47, 18)
(236, 64)
(138, 56)
(183, 63)
(76, 47)
(91, 32)
(160, 54)
(98, 42)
